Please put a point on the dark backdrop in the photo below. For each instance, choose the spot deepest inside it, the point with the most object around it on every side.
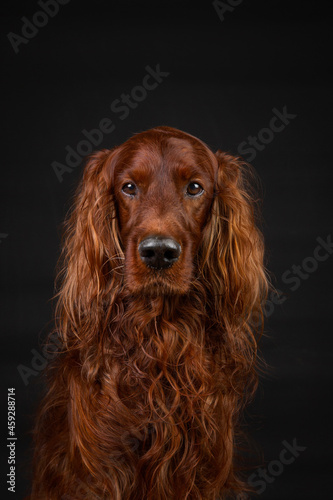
(225, 77)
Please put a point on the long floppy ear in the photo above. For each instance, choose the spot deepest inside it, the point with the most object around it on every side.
(91, 262)
(232, 254)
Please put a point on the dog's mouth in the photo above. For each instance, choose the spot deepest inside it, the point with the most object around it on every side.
(149, 281)
(157, 266)
(156, 282)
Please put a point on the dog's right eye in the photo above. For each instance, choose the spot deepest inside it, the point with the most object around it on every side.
(129, 189)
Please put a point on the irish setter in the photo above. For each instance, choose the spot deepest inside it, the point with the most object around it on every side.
(159, 296)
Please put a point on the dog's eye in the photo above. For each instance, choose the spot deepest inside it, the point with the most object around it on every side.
(194, 189)
(129, 188)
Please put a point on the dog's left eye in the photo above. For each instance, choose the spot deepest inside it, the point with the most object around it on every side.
(194, 189)
(129, 188)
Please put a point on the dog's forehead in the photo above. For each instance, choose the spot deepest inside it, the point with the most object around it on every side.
(172, 155)
(180, 146)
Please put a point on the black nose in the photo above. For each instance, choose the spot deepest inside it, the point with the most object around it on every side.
(158, 252)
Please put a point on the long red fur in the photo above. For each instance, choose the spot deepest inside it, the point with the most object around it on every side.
(145, 397)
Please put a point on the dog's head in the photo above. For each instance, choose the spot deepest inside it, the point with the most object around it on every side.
(161, 211)
(163, 187)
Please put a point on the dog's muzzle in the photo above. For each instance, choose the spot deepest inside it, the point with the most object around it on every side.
(158, 252)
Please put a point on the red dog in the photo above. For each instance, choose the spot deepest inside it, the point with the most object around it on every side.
(161, 286)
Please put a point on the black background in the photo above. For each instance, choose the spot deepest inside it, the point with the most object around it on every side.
(224, 80)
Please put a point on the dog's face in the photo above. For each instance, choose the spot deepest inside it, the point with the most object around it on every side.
(163, 194)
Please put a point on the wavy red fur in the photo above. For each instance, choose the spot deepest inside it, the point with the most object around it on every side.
(145, 397)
